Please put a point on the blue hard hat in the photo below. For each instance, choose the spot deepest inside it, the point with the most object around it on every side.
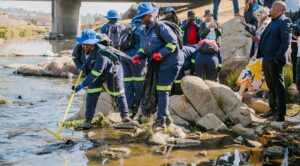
(145, 8)
(169, 10)
(112, 14)
(88, 36)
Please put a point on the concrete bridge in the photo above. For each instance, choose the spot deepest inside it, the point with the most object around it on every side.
(66, 13)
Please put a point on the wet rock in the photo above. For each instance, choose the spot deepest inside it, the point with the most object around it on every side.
(274, 152)
(201, 97)
(235, 51)
(212, 123)
(277, 125)
(57, 67)
(105, 106)
(186, 142)
(177, 131)
(242, 131)
(129, 125)
(31, 70)
(183, 108)
(2, 100)
(253, 143)
(13, 66)
(259, 106)
(115, 153)
(158, 138)
(244, 116)
(239, 140)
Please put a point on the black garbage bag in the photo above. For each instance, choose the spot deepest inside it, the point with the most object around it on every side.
(149, 100)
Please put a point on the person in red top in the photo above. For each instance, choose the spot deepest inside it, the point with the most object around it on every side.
(192, 37)
(190, 27)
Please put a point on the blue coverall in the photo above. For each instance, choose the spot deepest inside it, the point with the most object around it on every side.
(100, 73)
(169, 68)
(134, 75)
(189, 54)
(106, 27)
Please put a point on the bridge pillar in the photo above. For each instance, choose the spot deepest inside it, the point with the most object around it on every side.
(66, 17)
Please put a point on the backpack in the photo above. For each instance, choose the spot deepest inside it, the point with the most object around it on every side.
(114, 33)
(207, 46)
(175, 28)
(127, 39)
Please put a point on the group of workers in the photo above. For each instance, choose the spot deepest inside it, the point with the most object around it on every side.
(154, 40)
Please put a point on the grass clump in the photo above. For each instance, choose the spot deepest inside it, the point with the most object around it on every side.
(232, 77)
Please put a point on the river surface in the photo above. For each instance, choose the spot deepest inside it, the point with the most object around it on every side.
(38, 102)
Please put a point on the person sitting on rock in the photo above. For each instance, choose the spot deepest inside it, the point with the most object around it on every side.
(252, 76)
(101, 71)
(171, 16)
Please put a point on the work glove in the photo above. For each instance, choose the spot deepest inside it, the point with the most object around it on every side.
(136, 60)
(77, 88)
(157, 57)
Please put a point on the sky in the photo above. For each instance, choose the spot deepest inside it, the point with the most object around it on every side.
(86, 7)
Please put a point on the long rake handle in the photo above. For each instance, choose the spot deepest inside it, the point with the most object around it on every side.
(69, 104)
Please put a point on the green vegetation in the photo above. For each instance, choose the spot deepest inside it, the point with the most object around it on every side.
(232, 77)
(97, 121)
(288, 76)
(3, 31)
(22, 33)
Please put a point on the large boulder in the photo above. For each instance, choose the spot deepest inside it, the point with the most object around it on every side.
(32, 70)
(57, 67)
(179, 121)
(201, 97)
(105, 106)
(244, 116)
(240, 130)
(225, 97)
(235, 45)
(183, 108)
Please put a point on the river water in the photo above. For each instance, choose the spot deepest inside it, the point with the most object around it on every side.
(39, 102)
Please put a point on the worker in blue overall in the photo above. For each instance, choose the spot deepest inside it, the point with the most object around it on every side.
(164, 50)
(101, 74)
(189, 54)
(113, 29)
(134, 75)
